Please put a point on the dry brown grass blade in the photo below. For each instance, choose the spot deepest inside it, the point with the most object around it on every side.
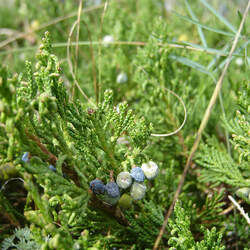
(93, 61)
(77, 42)
(242, 212)
(229, 209)
(201, 128)
(71, 65)
(98, 85)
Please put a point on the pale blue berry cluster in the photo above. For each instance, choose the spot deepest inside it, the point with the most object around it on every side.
(138, 175)
(135, 179)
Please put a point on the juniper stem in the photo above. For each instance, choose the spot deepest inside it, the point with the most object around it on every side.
(52, 158)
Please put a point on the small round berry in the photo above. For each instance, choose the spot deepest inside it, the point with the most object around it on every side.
(124, 180)
(125, 201)
(122, 78)
(117, 109)
(150, 169)
(25, 157)
(138, 190)
(97, 186)
(239, 61)
(52, 168)
(108, 39)
(137, 174)
(112, 189)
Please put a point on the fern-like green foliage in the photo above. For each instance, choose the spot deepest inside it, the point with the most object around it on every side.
(145, 224)
(211, 209)
(182, 237)
(219, 165)
(240, 125)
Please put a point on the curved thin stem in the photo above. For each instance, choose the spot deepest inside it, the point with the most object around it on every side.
(184, 121)
(128, 43)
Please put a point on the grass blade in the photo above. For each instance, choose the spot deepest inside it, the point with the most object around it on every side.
(202, 37)
(219, 16)
(205, 26)
(215, 59)
(221, 52)
(192, 64)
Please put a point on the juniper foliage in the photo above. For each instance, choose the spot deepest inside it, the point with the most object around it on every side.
(181, 235)
(220, 166)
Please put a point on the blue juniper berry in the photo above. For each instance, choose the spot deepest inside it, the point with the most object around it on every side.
(25, 157)
(137, 174)
(112, 189)
(52, 168)
(97, 186)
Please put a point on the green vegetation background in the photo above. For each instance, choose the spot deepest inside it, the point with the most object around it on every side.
(76, 128)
